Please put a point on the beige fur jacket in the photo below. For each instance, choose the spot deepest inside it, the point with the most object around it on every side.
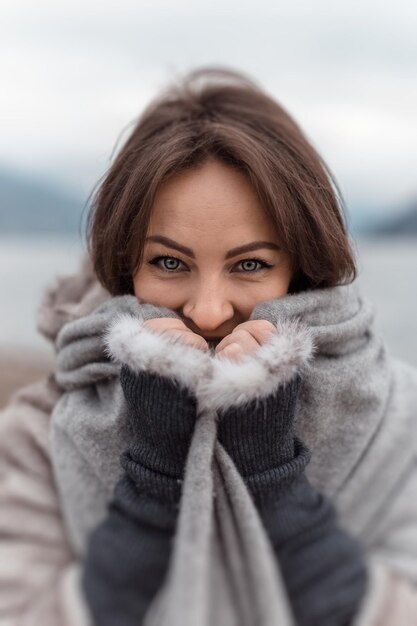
(39, 574)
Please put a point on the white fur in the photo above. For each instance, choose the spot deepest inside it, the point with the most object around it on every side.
(130, 342)
(258, 374)
(217, 381)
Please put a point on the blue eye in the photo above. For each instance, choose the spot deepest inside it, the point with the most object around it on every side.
(174, 265)
(166, 263)
(253, 265)
(250, 265)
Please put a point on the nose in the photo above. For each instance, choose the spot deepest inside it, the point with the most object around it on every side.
(208, 307)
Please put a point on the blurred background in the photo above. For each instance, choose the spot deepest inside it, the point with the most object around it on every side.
(75, 76)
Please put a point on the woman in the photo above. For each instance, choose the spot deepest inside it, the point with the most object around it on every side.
(215, 345)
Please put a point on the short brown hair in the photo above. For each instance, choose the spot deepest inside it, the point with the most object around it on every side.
(221, 114)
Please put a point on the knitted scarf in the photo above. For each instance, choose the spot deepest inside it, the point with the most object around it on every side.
(348, 390)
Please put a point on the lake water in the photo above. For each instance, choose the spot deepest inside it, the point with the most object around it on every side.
(27, 267)
(388, 270)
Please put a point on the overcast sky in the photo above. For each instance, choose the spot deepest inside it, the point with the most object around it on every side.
(75, 74)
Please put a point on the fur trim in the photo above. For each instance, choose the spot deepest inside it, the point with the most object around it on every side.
(258, 374)
(130, 343)
(218, 382)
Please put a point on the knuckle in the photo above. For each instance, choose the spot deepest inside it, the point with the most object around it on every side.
(256, 325)
(154, 325)
(239, 332)
(164, 323)
(258, 330)
(264, 326)
(192, 339)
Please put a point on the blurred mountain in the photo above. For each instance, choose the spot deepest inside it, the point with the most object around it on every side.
(404, 224)
(28, 206)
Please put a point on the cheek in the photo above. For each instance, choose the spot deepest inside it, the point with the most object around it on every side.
(280, 281)
(275, 287)
(245, 300)
(149, 289)
(280, 286)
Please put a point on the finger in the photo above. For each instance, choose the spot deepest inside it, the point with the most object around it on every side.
(242, 337)
(188, 337)
(233, 351)
(261, 330)
(164, 323)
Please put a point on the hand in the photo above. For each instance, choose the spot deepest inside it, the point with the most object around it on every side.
(177, 329)
(245, 339)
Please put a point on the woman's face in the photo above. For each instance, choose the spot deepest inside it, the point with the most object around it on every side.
(211, 253)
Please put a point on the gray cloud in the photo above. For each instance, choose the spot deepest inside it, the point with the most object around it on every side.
(77, 73)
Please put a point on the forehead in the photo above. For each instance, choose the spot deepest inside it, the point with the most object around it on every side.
(212, 199)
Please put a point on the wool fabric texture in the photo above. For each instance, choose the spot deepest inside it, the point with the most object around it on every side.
(347, 395)
(322, 566)
(192, 592)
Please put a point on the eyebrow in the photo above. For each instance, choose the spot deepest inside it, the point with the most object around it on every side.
(249, 247)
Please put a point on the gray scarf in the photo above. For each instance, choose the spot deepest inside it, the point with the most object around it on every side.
(348, 391)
